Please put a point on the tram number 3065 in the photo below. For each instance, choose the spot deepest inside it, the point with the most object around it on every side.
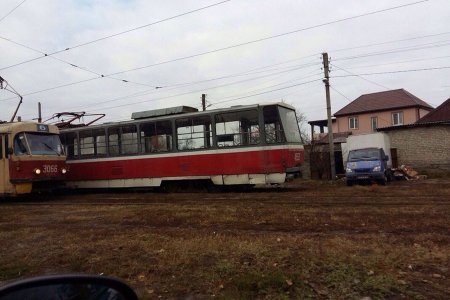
(50, 168)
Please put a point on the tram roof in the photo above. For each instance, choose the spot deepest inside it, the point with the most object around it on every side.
(27, 126)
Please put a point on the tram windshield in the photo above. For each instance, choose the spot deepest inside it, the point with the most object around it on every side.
(30, 143)
(290, 125)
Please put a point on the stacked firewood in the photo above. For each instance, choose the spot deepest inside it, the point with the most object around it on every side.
(406, 173)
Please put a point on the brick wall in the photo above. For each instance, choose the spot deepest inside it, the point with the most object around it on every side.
(426, 149)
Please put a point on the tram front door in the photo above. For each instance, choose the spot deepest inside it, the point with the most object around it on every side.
(3, 164)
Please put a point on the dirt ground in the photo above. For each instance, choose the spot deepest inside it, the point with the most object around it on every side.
(309, 239)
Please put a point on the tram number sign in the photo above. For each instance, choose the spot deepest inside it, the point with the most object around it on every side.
(50, 168)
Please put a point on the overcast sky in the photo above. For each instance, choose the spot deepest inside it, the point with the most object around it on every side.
(285, 67)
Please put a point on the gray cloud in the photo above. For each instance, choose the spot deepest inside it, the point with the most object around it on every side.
(55, 25)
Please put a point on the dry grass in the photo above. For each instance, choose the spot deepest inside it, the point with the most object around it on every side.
(314, 240)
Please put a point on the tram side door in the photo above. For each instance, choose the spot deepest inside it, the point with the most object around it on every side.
(4, 171)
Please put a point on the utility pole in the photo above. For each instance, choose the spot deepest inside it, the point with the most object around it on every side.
(39, 113)
(204, 102)
(330, 125)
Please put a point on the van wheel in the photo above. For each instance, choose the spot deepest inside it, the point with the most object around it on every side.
(384, 180)
(390, 176)
(349, 183)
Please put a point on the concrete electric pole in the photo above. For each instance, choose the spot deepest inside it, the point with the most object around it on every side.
(330, 125)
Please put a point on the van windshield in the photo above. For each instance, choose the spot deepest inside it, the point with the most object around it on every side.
(364, 154)
(30, 143)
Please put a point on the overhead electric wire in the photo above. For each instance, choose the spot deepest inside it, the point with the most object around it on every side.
(360, 76)
(168, 97)
(359, 106)
(233, 46)
(370, 81)
(271, 91)
(398, 50)
(393, 72)
(399, 62)
(146, 92)
(143, 26)
(304, 57)
(395, 50)
(272, 37)
(167, 87)
(116, 34)
(388, 42)
(99, 75)
(245, 43)
(303, 83)
(308, 75)
(353, 74)
(189, 92)
(11, 11)
(334, 89)
(240, 74)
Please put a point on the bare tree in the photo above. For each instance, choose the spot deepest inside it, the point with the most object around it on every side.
(303, 125)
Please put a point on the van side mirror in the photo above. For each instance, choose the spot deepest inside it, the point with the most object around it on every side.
(386, 157)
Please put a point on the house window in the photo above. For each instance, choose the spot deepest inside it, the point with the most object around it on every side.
(397, 118)
(374, 123)
(353, 123)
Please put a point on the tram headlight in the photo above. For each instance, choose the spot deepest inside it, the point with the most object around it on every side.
(37, 171)
(63, 171)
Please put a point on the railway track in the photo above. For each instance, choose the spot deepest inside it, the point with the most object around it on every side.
(267, 198)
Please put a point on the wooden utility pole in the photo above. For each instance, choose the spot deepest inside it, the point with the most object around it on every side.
(330, 125)
(204, 102)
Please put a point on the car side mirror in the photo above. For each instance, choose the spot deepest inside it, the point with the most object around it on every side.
(69, 286)
(10, 151)
(386, 157)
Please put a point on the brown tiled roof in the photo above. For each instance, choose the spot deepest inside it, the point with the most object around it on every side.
(440, 113)
(387, 100)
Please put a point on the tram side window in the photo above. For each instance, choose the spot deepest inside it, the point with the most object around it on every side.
(113, 140)
(156, 137)
(272, 125)
(70, 143)
(122, 140)
(129, 141)
(1, 147)
(20, 144)
(92, 143)
(100, 142)
(86, 143)
(237, 128)
(194, 133)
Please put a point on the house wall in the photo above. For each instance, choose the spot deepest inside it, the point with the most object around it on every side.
(423, 112)
(426, 149)
(410, 115)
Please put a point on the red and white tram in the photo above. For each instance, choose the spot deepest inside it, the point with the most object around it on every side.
(241, 145)
(31, 158)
